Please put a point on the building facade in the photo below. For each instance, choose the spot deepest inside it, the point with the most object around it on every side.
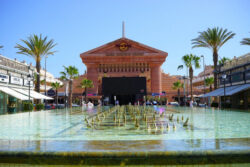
(235, 76)
(199, 83)
(125, 69)
(234, 83)
(16, 85)
(13, 76)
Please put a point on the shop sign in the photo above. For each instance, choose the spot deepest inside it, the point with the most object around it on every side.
(16, 80)
(155, 94)
(51, 92)
(4, 78)
(26, 83)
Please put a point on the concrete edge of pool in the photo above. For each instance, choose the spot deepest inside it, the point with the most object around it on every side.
(126, 158)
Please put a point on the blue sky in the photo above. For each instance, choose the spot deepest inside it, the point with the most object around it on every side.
(81, 25)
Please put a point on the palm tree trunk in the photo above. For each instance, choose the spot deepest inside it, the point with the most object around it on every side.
(215, 59)
(56, 98)
(37, 86)
(191, 81)
(70, 92)
(210, 88)
(85, 94)
(179, 96)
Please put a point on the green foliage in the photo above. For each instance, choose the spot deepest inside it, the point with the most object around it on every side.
(69, 73)
(36, 47)
(56, 85)
(223, 60)
(86, 83)
(245, 41)
(212, 38)
(177, 85)
(209, 81)
(39, 107)
(27, 106)
(191, 60)
(76, 101)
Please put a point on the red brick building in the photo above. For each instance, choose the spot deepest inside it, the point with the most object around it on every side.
(126, 70)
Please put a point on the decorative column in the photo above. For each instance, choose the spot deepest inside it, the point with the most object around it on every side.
(92, 74)
(155, 78)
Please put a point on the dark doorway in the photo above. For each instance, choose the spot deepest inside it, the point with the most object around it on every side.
(125, 89)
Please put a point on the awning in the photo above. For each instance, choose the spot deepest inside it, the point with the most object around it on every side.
(216, 92)
(238, 89)
(40, 95)
(230, 90)
(13, 93)
(33, 94)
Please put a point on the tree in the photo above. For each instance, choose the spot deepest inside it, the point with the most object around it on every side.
(36, 47)
(213, 39)
(177, 85)
(245, 41)
(209, 82)
(85, 84)
(56, 86)
(189, 61)
(69, 73)
(223, 60)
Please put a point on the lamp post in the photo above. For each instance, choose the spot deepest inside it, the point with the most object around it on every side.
(203, 73)
(45, 79)
(29, 77)
(224, 77)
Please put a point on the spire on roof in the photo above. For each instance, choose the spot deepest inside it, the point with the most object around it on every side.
(123, 29)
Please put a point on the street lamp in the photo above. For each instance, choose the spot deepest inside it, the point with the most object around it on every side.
(45, 79)
(224, 77)
(29, 77)
(203, 73)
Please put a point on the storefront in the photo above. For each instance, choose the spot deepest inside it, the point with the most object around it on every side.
(16, 85)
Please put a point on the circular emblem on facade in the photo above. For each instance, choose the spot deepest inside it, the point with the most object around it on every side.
(123, 46)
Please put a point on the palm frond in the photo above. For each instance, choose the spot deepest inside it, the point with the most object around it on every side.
(212, 38)
(180, 67)
(245, 41)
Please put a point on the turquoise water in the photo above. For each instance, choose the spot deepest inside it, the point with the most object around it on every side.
(69, 125)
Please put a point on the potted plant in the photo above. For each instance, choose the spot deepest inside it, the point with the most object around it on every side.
(12, 107)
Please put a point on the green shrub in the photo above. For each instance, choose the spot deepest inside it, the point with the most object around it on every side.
(39, 107)
(27, 106)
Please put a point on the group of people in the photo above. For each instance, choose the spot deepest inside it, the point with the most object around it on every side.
(90, 104)
(87, 105)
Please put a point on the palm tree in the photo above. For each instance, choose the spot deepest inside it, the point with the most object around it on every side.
(56, 86)
(85, 84)
(245, 41)
(69, 73)
(36, 47)
(223, 60)
(190, 60)
(209, 82)
(177, 85)
(213, 39)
